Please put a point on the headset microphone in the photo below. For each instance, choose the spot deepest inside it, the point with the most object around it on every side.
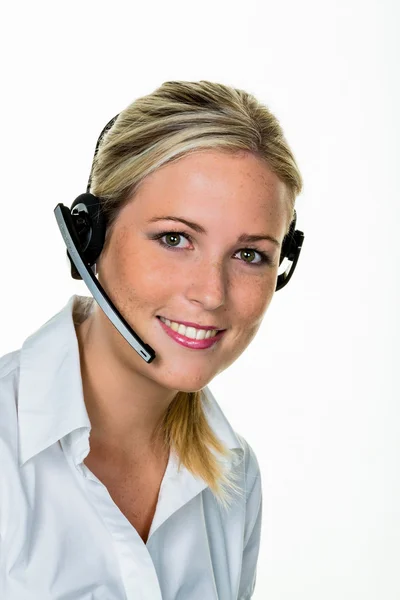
(83, 228)
(82, 266)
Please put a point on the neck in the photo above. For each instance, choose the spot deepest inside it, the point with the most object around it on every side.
(125, 407)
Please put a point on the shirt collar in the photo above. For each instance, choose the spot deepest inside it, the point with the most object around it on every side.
(50, 397)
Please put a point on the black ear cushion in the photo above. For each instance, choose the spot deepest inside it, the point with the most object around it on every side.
(288, 240)
(95, 230)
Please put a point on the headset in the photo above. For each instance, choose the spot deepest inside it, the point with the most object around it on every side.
(83, 228)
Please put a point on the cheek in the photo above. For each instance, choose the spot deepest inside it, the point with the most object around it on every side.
(251, 303)
(139, 276)
(252, 300)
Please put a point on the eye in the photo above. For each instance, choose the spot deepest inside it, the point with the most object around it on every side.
(249, 253)
(172, 238)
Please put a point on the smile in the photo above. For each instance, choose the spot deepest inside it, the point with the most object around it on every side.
(190, 332)
(190, 337)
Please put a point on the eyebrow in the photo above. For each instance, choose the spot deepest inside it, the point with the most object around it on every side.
(199, 229)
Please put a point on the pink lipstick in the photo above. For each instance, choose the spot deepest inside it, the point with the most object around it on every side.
(189, 342)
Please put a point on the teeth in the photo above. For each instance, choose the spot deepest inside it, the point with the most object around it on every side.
(182, 329)
(190, 332)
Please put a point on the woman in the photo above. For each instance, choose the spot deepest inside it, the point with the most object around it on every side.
(122, 477)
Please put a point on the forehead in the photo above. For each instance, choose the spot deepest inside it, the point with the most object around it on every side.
(224, 186)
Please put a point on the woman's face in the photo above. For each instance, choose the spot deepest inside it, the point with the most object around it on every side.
(204, 274)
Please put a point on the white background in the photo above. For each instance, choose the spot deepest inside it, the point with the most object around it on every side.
(315, 394)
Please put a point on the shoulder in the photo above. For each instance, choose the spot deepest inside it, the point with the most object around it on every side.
(9, 374)
(9, 363)
(9, 377)
(250, 466)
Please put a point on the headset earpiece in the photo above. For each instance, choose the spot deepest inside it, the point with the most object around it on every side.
(291, 247)
(89, 224)
(287, 240)
(88, 219)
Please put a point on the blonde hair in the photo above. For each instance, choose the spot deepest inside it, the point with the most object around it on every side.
(177, 118)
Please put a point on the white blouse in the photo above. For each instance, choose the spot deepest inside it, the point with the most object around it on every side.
(61, 535)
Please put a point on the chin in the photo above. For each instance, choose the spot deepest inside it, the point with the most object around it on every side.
(188, 384)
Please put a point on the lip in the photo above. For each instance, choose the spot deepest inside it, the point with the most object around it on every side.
(196, 325)
(188, 342)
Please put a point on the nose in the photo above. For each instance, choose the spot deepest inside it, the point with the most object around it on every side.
(207, 284)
